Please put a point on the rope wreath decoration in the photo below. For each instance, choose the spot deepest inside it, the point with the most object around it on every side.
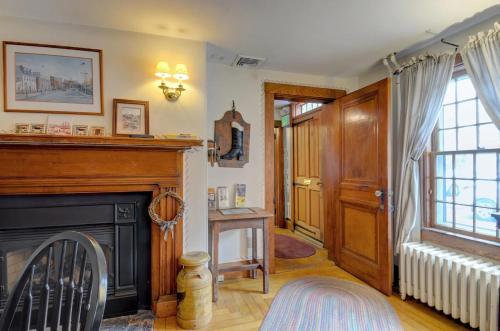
(166, 226)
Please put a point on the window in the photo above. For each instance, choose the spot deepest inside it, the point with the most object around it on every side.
(303, 108)
(466, 159)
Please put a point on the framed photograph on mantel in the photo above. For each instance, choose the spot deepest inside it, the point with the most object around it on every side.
(52, 79)
(130, 117)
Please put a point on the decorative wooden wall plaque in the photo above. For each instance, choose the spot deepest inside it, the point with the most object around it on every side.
(232, 136)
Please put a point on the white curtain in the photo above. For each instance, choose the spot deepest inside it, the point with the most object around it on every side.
(481, 58)
(419, 89)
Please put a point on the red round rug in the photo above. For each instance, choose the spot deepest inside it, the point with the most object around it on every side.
(287, 247)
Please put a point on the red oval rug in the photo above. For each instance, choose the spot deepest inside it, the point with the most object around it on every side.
(287, 247)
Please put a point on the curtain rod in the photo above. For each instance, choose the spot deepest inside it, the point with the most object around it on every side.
(451, 44)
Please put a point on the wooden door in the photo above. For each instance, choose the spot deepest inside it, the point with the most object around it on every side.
(308, 193)
(363, 229)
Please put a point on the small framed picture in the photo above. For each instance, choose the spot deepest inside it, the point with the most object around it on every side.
(97, 131)
(22, 128)
(38, 128)
(80, 130)
(59, 125)
(130, 117)
(222, 197)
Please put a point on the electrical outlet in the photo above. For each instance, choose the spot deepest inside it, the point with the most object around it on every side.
(220, 278)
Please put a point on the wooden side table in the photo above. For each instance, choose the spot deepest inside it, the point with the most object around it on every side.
(218, 222)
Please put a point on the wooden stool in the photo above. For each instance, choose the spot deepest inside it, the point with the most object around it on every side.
(257, 219)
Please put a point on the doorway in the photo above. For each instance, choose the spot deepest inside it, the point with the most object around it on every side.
(290, 93)
(346, 173)
(298, 173)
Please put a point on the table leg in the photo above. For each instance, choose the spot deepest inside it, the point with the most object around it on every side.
(215, 261)
(210, 246)
(265, 253)
(253, 272)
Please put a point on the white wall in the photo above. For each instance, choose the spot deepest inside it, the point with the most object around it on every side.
(245, 87)
(379, 72)
(129, 61)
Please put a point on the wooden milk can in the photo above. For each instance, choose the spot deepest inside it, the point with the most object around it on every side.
(194, 291)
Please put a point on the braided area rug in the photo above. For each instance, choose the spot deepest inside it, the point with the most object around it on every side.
(326, 303)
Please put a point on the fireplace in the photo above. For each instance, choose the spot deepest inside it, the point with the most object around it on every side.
(119, 222)
(43, 165)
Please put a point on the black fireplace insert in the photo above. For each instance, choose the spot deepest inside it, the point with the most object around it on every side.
(118, 221)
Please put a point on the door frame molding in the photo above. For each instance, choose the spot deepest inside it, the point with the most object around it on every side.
(277, 91)
(279, 178)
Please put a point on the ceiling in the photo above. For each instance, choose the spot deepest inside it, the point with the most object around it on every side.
(327, 37)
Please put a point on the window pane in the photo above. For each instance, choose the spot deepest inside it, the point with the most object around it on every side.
(489, 136)
(444, 166)
(449, 140)
(467, 138)
(449, 190)
(483, 117)
(448, 170)
(486, 193)
(444, 214)
(464, 166)
(440, 190)
(464, 217)
(450, 93)
(448, 117)
(466, 113)
(465, 90)
(485, 223)
(486, 165)
(464, 191)
(440, 164)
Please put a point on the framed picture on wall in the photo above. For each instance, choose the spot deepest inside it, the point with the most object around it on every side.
(52, 79)
(130, 117)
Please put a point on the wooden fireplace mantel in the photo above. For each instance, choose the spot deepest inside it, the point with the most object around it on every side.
(44, 164)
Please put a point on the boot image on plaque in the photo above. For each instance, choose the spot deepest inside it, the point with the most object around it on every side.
(236, 143)
(232, 137)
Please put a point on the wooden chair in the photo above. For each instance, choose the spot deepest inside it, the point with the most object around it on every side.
(63, 285)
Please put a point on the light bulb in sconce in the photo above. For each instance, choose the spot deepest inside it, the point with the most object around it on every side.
(181, 72)
(163, 70)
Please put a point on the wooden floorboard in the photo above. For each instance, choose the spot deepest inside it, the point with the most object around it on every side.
(242, 306)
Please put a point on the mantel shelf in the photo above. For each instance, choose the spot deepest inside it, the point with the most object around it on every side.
(105, 142)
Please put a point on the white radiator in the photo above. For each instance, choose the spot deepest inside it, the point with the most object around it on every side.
(461, 285)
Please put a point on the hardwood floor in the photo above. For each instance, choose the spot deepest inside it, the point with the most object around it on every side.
(242, 306)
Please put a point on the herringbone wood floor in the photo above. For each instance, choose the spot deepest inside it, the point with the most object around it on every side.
(242, 306)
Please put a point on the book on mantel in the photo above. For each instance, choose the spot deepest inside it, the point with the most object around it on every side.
(187, 136)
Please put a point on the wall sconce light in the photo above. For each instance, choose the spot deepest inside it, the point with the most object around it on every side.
(181, 73)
